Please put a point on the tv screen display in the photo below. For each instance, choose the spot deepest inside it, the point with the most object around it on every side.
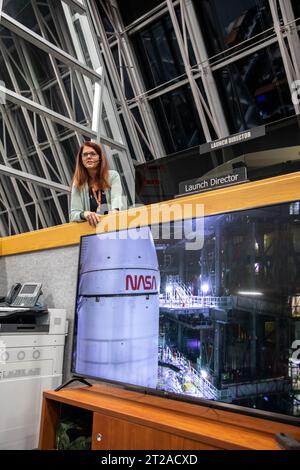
(204, 309)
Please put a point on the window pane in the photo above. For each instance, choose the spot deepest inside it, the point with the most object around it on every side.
(104, 18)
(296, 6)
(158, 53)
(178, 120)
(133, 9)
(254, 90)
(22, 11)
(226, 24)
(26, 69)
(136, 114)
(122, 70)
(54, 21)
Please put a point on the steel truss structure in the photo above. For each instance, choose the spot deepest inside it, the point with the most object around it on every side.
(48, 109)
(61, 84)
(207, 100)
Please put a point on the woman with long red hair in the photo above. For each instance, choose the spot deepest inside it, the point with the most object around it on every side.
(96, 190)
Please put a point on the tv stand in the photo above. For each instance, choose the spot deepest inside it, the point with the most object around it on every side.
(75, 378)
(124, 420)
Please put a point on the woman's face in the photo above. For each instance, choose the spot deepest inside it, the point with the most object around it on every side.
(90, 158)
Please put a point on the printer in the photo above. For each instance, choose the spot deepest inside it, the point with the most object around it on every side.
(31, 360)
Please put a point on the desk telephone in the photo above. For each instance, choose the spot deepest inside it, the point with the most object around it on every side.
(23, 295)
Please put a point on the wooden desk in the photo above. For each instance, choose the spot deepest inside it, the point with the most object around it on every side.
(124, 420)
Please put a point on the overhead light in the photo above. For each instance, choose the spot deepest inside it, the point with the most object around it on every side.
(249, 293)
(204, 373)
(205, 288)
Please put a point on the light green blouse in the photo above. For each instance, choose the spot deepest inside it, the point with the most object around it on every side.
(80, 199)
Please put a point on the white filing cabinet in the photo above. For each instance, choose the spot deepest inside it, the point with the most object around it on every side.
(30, 362)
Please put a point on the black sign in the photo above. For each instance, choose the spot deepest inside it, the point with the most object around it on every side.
(233, 139)
(199, 185)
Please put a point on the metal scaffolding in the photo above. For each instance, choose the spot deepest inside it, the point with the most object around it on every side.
(44, 120)
(79, 93)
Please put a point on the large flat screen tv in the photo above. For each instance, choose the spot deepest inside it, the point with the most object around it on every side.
(220, 322)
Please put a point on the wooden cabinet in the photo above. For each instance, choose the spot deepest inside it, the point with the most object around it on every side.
(119, 434)
(123, 420)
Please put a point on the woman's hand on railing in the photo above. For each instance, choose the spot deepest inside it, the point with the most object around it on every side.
(92, 218)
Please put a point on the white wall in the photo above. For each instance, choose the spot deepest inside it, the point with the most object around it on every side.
(57, 270)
